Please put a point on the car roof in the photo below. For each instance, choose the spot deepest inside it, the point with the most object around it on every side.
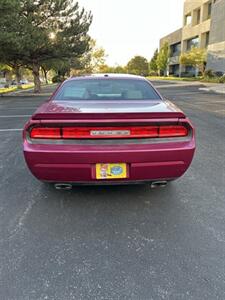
(107, 75)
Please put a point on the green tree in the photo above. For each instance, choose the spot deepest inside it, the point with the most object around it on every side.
(108, 69)
(93, 60)
(153, 62)
(32, 32)
(69, 67)
(10, 45)
(162, 60)
(138, 66)
(120, 70)
(46, 66)
(6, 71)
(196, 57)
(59, 66)
(98, 57)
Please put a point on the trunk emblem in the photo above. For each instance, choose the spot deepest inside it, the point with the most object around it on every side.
(110, 132)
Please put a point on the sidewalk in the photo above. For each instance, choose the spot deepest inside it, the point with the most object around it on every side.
(214, 87)
(205, 86)
(46, 91)
(176, 83)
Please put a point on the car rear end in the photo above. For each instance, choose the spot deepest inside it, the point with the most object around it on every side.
(108, 142)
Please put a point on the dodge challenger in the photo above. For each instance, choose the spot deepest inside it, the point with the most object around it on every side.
(108, 129)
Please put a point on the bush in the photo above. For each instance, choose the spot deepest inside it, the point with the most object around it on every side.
(153, 73)
(219, 73)
(222, 79)
(187, 75)
(216, 76)
(57, 79)
(209, 73)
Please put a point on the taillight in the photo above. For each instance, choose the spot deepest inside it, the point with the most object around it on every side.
(109, 132)
(75, 133)
(172, 131)
(148, 131)
(45, 133)
(162, 131)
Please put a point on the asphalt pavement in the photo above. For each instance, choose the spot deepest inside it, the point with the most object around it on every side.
(119, 242)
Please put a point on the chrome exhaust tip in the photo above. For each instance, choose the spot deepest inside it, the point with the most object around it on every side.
(156, 184)
(63, 186)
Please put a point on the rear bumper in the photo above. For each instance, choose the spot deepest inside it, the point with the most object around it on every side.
(76, 163)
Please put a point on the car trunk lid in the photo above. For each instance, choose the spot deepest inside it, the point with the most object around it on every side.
(92, 110)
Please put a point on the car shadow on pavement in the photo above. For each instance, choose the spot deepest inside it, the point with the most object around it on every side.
(104, 212)
(110, 194)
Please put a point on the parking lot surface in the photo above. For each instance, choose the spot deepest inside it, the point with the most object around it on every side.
(118, 242)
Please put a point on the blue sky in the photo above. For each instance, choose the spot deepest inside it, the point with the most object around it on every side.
(125, 28)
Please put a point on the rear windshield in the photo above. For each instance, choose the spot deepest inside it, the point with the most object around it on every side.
(106, 89)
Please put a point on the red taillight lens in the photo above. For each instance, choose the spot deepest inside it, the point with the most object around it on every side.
(45, 133)
(172, 131)
(148, 131)
(109, 132)
(75, 132)
(163, 131)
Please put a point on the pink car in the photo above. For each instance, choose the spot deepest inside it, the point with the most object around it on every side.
(108, 129)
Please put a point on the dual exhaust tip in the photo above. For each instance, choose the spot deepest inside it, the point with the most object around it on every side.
(156, 184)
(68, 186)
(63, 186)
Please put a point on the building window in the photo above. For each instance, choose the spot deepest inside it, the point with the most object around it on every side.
(174, 70)
(190, 71)
(197, 16)
(188, 19)
(206, 39)
(192, 43)
(175, 50)
(209, 9)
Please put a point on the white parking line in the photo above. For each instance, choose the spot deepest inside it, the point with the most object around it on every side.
(174, 94)
(15, 116)
(15, 108)
(11, 130)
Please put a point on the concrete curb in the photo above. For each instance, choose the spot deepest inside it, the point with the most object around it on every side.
(218, 89)
(25, 92)
(174, 83)
(177, 85)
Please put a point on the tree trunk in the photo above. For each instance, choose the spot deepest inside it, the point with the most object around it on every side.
(202, 69)
(68, 73)
(37, 82)
(45, 73)
(18, 76)
(46, 77)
